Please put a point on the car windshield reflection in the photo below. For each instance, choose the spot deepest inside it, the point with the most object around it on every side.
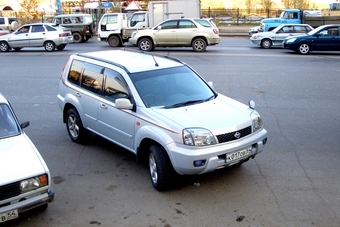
(172, 87)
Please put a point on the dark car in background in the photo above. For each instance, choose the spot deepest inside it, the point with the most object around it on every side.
(323, 38)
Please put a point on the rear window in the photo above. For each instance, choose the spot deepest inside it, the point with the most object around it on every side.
(204, 23)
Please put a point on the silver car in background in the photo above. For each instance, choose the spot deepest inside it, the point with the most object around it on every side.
(276, 36)
(47, 35)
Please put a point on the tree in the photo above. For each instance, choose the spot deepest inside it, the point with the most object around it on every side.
(267, 4)
(29, 11)
(297, 4)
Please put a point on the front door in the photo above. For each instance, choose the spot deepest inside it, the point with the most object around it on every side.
(20, 38)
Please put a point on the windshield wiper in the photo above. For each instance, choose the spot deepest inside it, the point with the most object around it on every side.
(191, 102)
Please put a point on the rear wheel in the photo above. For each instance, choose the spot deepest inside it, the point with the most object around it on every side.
(304, 48)
(4, 47)
(114, 41)
(266, 43)
(199, 45)
(145, 44)
(49, 46)
(160, 169)
(75, 127)
(77, 38)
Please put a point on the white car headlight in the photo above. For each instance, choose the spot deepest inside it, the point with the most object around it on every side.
(256, 122)
(290, 40)
(33, 183)
(198, 137)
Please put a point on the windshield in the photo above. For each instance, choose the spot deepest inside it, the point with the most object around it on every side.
(8, 125)
(171, 88)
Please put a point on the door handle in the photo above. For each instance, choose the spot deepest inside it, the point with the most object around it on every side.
(102, 105)
(78, 94)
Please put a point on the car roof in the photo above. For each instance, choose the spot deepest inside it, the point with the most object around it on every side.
(132, 61)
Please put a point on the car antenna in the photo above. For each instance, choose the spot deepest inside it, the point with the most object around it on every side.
(156, 64)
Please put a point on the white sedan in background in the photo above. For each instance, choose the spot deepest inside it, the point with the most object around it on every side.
(47, 35)
(275, 37)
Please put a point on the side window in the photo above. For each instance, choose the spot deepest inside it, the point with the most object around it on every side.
(169, 24)
(75, 20)
(115, 86)
(37, 28)
(74, 74)
(24, 29)
(49, 28)
(92, 78)
(57, 21)
(2, 20)
(66, 20)
(186, 24)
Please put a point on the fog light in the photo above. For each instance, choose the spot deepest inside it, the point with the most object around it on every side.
(264, 141)
(199, 163)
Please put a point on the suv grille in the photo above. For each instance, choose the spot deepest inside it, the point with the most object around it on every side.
(9, 190)
(227, 137)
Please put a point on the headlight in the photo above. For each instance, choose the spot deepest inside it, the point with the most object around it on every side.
(290, 40)
(198, 137)
(256, 122)
(33, 183)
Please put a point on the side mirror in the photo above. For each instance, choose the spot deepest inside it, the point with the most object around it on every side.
(159, 28)
(123, 103)
(24, 124)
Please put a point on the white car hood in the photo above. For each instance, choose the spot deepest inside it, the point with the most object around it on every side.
(216, 115)
(19, 159)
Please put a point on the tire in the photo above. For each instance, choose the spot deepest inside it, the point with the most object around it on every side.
(303, 48)
(14, 25)
(114, 41)
(160, 169)
(266, 43)
(77, 38)
(49, 46)
(199, 45)
(4, 47)
(61, 47)
(74, 126)
(145, 44)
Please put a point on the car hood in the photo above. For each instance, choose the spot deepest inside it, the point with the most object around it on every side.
(19, 159)
(221, 114)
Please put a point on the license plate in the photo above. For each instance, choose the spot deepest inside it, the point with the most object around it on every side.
(238, 154)
(9, 215)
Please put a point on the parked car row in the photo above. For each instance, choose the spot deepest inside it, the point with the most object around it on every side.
(301, 38)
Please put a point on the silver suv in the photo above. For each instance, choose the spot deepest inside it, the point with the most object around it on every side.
(160, 109)
(183, 32)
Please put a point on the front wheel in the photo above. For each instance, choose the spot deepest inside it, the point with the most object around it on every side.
(145, 44)
(304, 48)
(75, 127)
(49, 46)
(266, 43)
(4, 47)
(199, 45)
(160, 168)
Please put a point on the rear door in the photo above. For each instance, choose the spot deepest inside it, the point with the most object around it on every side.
(37, 35)
(185, 32)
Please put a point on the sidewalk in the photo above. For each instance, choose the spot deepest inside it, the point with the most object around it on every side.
(234, 30)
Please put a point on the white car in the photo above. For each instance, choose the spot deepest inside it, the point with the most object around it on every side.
(47, 35)
(161, 110)
(275, 37)
(25, 180)
(183, 32)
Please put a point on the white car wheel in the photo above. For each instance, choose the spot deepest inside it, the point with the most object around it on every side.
(266, 43)
(4, 47)
(145, 44)
(49, 46)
